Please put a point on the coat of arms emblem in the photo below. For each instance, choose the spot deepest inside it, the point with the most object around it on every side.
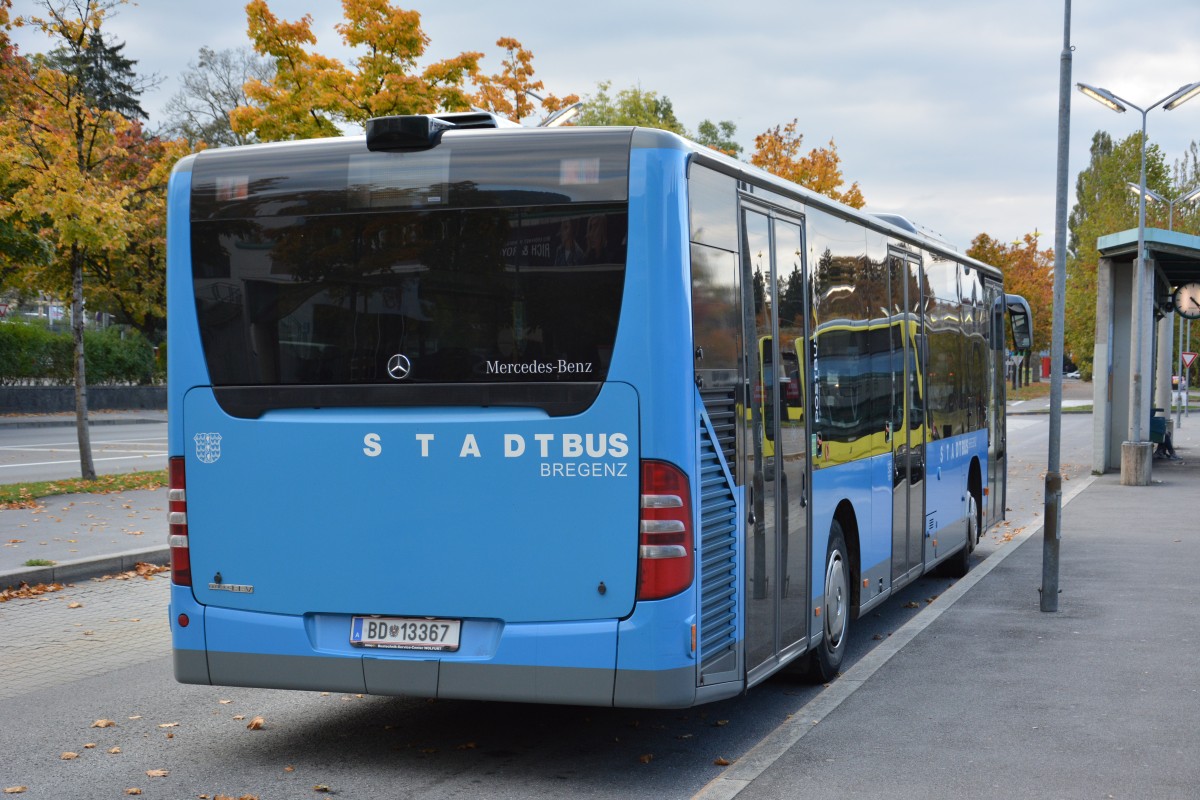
(208, 447)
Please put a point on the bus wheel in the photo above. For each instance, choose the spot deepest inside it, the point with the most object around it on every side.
(959, 564)
(826, 659)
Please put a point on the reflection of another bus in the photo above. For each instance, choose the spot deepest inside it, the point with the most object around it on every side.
(859, 369)
(787, 384)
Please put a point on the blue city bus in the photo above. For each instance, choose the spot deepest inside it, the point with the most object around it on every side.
(465, 410)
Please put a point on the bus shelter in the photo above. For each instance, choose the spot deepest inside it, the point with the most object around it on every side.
(1132, 371)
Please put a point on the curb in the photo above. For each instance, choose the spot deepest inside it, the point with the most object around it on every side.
(62, 423)
(84, 568)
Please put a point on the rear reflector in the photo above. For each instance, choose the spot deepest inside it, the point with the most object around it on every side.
(177, 527)
(665, 563)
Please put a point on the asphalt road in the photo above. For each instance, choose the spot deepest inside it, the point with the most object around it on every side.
(108, 659)
(46, 454)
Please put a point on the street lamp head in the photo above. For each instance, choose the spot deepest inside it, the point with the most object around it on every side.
(1102, 96)
(562, 116)
(1190, 196)
(1182, 95)
(1150, 193)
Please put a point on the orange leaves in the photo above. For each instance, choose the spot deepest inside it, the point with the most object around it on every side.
(157, 773)
(104, 723)
(24, 591)
(507, 93)
(314, 95)
(721, 762)
(256, 724)
(778, 152)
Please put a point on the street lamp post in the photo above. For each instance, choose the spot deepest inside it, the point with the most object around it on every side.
(1135, 454)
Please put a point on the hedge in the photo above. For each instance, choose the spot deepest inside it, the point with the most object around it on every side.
(33, 354)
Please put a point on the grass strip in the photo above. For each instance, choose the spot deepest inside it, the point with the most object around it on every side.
(26, 495)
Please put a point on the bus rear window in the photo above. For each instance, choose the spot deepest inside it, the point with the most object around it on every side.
(410, 298)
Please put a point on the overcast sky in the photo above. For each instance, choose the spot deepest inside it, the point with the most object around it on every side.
(943, 110)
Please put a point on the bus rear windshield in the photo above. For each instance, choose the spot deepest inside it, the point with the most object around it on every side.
(411, 299)
(486, 271)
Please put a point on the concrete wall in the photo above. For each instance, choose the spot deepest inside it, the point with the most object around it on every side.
(51, 399)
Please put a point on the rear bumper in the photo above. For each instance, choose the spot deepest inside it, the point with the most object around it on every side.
(565, 663)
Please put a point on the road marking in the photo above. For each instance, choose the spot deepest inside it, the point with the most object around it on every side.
(754, 763)
(75, 443)
(76, 461)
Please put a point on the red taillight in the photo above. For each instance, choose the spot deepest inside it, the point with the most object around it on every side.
(665, 541)
(177, 525)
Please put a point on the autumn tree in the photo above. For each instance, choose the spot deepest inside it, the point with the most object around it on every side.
(81, 172)
(211, 88)
(1028, 272)
(778, 152)
(314, 95)
(20, 246)
(511, 92)
(1104, 205)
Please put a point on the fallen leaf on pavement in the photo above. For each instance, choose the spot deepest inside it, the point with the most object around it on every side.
(75, 604)
(133, 790)
(721, 762)
(169, 725)
(256, 724)
(647, 758)
(67, 756)
(16, 789)
(112, 751)
(157, 773)
(104, 723)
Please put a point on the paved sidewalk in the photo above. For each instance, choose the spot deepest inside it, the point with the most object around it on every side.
(983, 695)
(86, 535)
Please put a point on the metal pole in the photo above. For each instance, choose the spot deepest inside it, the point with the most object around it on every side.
(1141, 361)
(1179, 384)
(1052, 529)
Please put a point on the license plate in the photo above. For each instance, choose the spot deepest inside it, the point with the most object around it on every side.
(405, 633)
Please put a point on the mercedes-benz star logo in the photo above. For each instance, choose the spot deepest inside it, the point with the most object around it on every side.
(399, 366)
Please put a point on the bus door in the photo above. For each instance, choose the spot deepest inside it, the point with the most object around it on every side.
(907, 418)
(776, 440)
(997, 434)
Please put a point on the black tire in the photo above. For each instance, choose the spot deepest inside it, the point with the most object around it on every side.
(826, 658)
(959, 564)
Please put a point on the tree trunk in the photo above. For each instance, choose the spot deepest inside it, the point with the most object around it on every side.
(87, 467)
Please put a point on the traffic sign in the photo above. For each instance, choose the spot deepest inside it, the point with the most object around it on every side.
(1188, 358)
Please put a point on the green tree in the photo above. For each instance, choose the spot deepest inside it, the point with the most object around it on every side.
(719, 136)
(632, 106)
(106, 77)
(1185, 177)
(1103, 205)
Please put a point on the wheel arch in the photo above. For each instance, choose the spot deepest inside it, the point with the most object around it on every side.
(846, 517)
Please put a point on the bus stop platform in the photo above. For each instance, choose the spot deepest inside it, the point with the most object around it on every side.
(983, 695)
